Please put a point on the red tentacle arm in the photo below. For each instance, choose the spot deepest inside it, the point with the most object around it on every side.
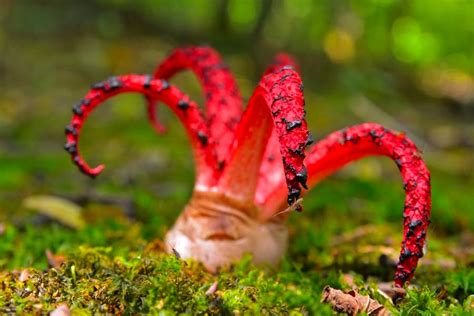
(278, 103)
(271, 172)
(281, 60)
(153, 117)
(186, 110)
(342, 147)
(223, 100)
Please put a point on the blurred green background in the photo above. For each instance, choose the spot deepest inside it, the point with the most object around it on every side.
(405, 64)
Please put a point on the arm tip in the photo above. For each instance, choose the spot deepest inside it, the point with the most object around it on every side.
(93, 173)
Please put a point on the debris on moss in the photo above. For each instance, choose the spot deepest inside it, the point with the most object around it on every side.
(94, 280)
(352, 303)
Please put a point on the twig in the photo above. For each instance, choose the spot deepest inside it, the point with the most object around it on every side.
(293, 207)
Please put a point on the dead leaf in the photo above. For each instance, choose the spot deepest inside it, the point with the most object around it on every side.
(38, 306)
(62, 210)
(352, 302)
(3, 228)
(212, 289)
(55, 261)
(24, 275)
(61, 310)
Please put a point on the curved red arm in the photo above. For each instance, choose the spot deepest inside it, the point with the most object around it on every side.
(186, 110)
(277, 102)
(342, 147)
(271, 172)
(281, 60)
(223, 101)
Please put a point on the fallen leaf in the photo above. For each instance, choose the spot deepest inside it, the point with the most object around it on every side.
(24, 275)
(61, 310)
(161, 303)
(38, 306)
(55, 261)
(352, 302)
(62, 210)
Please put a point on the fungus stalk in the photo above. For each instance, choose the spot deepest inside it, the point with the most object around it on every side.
(252, 164)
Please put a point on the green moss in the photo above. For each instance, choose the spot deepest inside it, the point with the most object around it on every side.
(95, 281)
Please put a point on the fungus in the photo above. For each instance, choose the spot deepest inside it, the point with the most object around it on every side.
(252, 164)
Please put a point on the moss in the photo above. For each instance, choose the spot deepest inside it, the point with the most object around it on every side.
(95, 281)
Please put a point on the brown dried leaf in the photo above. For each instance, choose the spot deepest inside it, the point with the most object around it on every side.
(352, 302)
(61, 310)
(24, 275)
(55, 261)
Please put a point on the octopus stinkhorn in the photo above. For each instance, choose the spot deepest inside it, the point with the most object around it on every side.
(251, 164)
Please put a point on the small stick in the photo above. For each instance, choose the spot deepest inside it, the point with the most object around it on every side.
(212, 289)
(293, 207)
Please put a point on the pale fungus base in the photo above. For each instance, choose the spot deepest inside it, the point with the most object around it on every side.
(217, 231)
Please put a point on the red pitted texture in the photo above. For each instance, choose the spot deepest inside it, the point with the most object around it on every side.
(186, 110)
(271, 171)
(281, 60)
(342, 147)
(277, 101)
(283, 91)
(223, 101)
